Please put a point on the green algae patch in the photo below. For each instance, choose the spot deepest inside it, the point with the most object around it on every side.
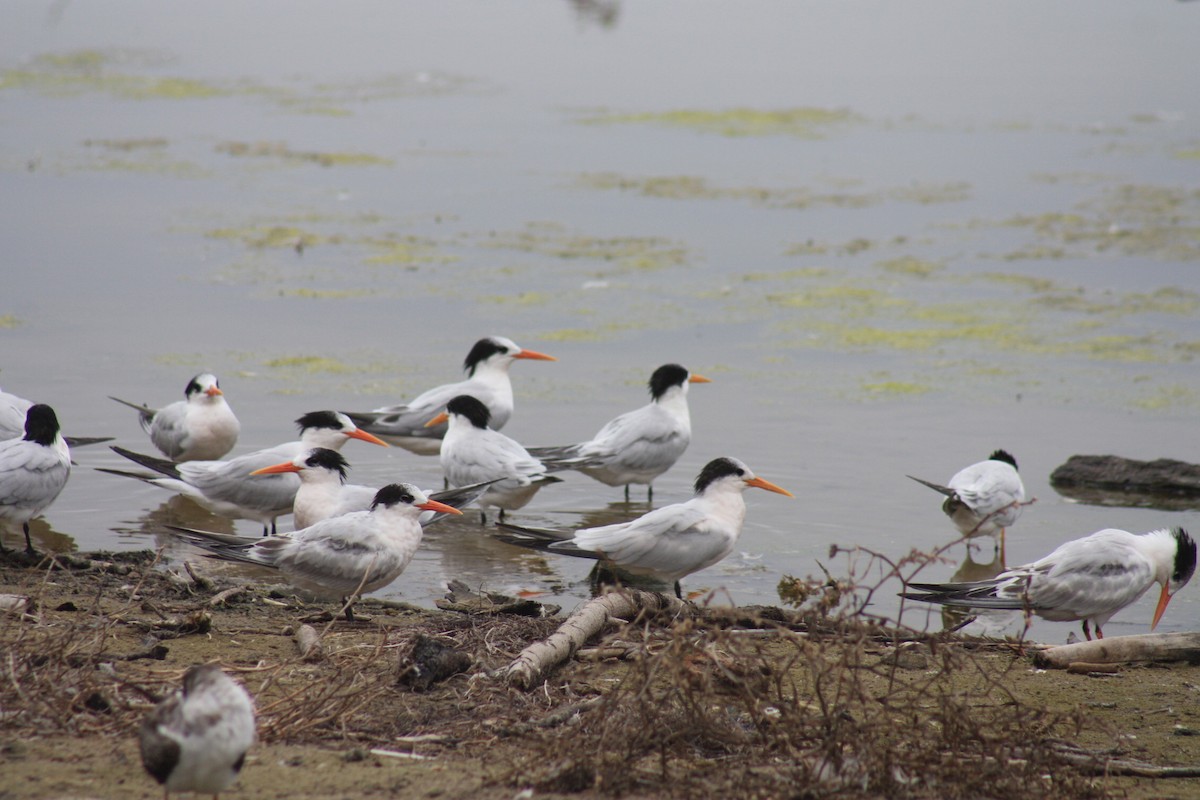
(272, 236)
(1169, 397)
(281, 151)
(325, 294)
(910, 265)
(802, 122)
(129, 145)
(600, 333)
(407, 251)
(101, 70)
(844, 297)
(895, 388)
(309, 364)
(627, 253)
(787, 274)
(522, 300)
(9, 321)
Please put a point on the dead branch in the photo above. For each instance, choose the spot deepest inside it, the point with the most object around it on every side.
(1157, 647)
(528, 668)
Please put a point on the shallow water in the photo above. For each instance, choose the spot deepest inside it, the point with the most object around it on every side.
(896, 240)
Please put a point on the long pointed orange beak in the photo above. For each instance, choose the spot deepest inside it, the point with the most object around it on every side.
(535, 355)
(434, 505)
(366, 437)
(213, 391)
(438, 420)
(1163, 599)
(770, 487)
(276, 469)
(698, 379)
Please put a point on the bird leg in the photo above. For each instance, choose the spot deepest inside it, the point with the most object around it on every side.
(678, 590)
(28, 542)
(1087, 631)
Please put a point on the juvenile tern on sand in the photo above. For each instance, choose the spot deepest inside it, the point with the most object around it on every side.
(324, 492)
(671, 542)
(1088, 579)
(33, 470)
(341, 556)
(985, 498)
(196, 739)
(201, 427)
(640, 445)
(407, 425)
(473, 453)
(228, 488)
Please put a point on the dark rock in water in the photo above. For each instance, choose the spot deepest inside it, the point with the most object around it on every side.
(430, 661)
(1116, 481)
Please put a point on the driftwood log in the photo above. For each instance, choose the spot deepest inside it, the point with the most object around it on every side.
(1157, 647)
(533, 663)
(1114, 480)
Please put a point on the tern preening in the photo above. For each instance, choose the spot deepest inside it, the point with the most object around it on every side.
(324, 492)
(640, 445)
(340, 557)
(473, 452)
(1088, 579)
(984, 499)
(201, 427)
(228, 488)
(407, 424)
(197, 738)
(671, 542)
(33, 469)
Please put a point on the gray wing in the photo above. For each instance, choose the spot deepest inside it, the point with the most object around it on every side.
(661, 541)
(30, 475)
(160, 753)
(646, 439)
(168, 430)
(145, 413)
(230, 481)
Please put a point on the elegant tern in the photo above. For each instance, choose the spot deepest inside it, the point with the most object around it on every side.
(668, 543)
(474, 453)
(640, 445)
(339, 557)
(12, 422)
(228, 488)
(33, 470)
(196, 739)
(407, 425)
(1088, 579)
(984, 499)
(324, 492)
(201, 427)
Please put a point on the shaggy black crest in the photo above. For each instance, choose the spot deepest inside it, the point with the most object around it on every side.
(665, 377)
(320, 419)
(482, 351)
(328, 459)
(1185, 557)
(715, 470)
(1005, 456)
(467, 406)
(392, 494)
(41, 424)
(194, 387)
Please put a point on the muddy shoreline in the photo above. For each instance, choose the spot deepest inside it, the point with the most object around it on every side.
(732, 702)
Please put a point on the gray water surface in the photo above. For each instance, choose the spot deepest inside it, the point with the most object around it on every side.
(895, 237)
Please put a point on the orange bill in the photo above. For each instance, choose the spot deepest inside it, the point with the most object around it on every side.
(770, 487)
(1163, 599)
(434, 505)
(698, 379)
(358, 433)
(213, 391)
(534, 355)
(438, 420)
(275, 469)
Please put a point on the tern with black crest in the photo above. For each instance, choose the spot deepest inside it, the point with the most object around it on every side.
(671, 542)
(407, 424)
(201, 427)
(33, 470)
(1088, 579)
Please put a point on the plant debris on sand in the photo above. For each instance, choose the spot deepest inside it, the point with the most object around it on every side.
(717, 702)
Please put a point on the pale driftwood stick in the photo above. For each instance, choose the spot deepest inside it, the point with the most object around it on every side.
(220, 597)
(1124, 649)
(309, 643)
(1087, 668)
(528, 668)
